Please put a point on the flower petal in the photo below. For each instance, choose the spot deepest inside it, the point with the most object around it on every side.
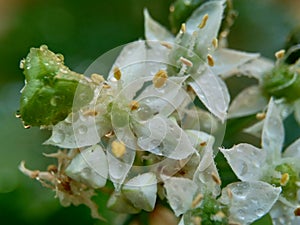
(249, 201)
(255, 68)
(247, 102)
(89, 167)
(78, 130)
(206, 176)
(166, 99)
(141, 191)
(119, 166)
(180, 193)
(273, 132)
(255, 129)
(140, 59)
(246, 161)
(161, 136)
(205, 35)
(154, 31)
(293, 150)
(212, 91)
(227, 61)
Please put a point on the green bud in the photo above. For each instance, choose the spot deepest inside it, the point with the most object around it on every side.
(282, 82)
(47, 97)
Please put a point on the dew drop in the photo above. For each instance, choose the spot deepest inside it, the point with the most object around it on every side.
(54, 100)
(60, 57)
(244, 168)
(58, 136)
(144, 112)
(18, 114)
(44, 47)
(82, 129)
(259, 212)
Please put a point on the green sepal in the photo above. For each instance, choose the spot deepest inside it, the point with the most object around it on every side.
(50, 86)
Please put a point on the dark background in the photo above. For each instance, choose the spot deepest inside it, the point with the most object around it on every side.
(82, 31)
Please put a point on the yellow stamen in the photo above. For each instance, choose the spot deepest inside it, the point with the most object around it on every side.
(280, 54)
(183, 28)
(216, 178)
(117, 73)
(204, 143)
(284, 179)
(203, 22)
(260, 116)
(90, 113)
(197, 220)
(134, 105)
(197, 200)
(297, 212)
(160, 78)
(229, 193)
(166, 44)
(118, 148)
(215, 43)
(210, 60)
(186, 62)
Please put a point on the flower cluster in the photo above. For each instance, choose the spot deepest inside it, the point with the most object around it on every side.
(152, 126)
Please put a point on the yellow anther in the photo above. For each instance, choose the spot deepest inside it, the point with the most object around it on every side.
(96, 78)
(229, 193)
(210, 60)
(117, 73)
(197, 200)
(172, 8)
(134, 105)
(219, 215)
(260, 116)
(118, 148)
(186, 62)
(204, 143)
(284, 179)
(183, 28)
(203, 22)
(160, 78)
(280, 54)
(196, 220)
(90, 113)
(166, 44)
(297, 212)
(216, 178)
(215, 43)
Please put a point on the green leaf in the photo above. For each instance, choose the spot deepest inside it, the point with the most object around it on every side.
(50, 87)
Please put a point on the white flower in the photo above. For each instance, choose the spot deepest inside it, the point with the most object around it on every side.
(269, 163)
(242, 202)
(195, 46)
(254, 99)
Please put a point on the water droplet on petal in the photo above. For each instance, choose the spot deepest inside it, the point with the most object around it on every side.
(58, 136)
(82, 129)
(144, 112)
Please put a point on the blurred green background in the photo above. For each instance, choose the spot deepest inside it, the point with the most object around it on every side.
(82, 31)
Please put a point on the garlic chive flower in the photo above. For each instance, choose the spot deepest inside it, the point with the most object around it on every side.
(271, 164)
